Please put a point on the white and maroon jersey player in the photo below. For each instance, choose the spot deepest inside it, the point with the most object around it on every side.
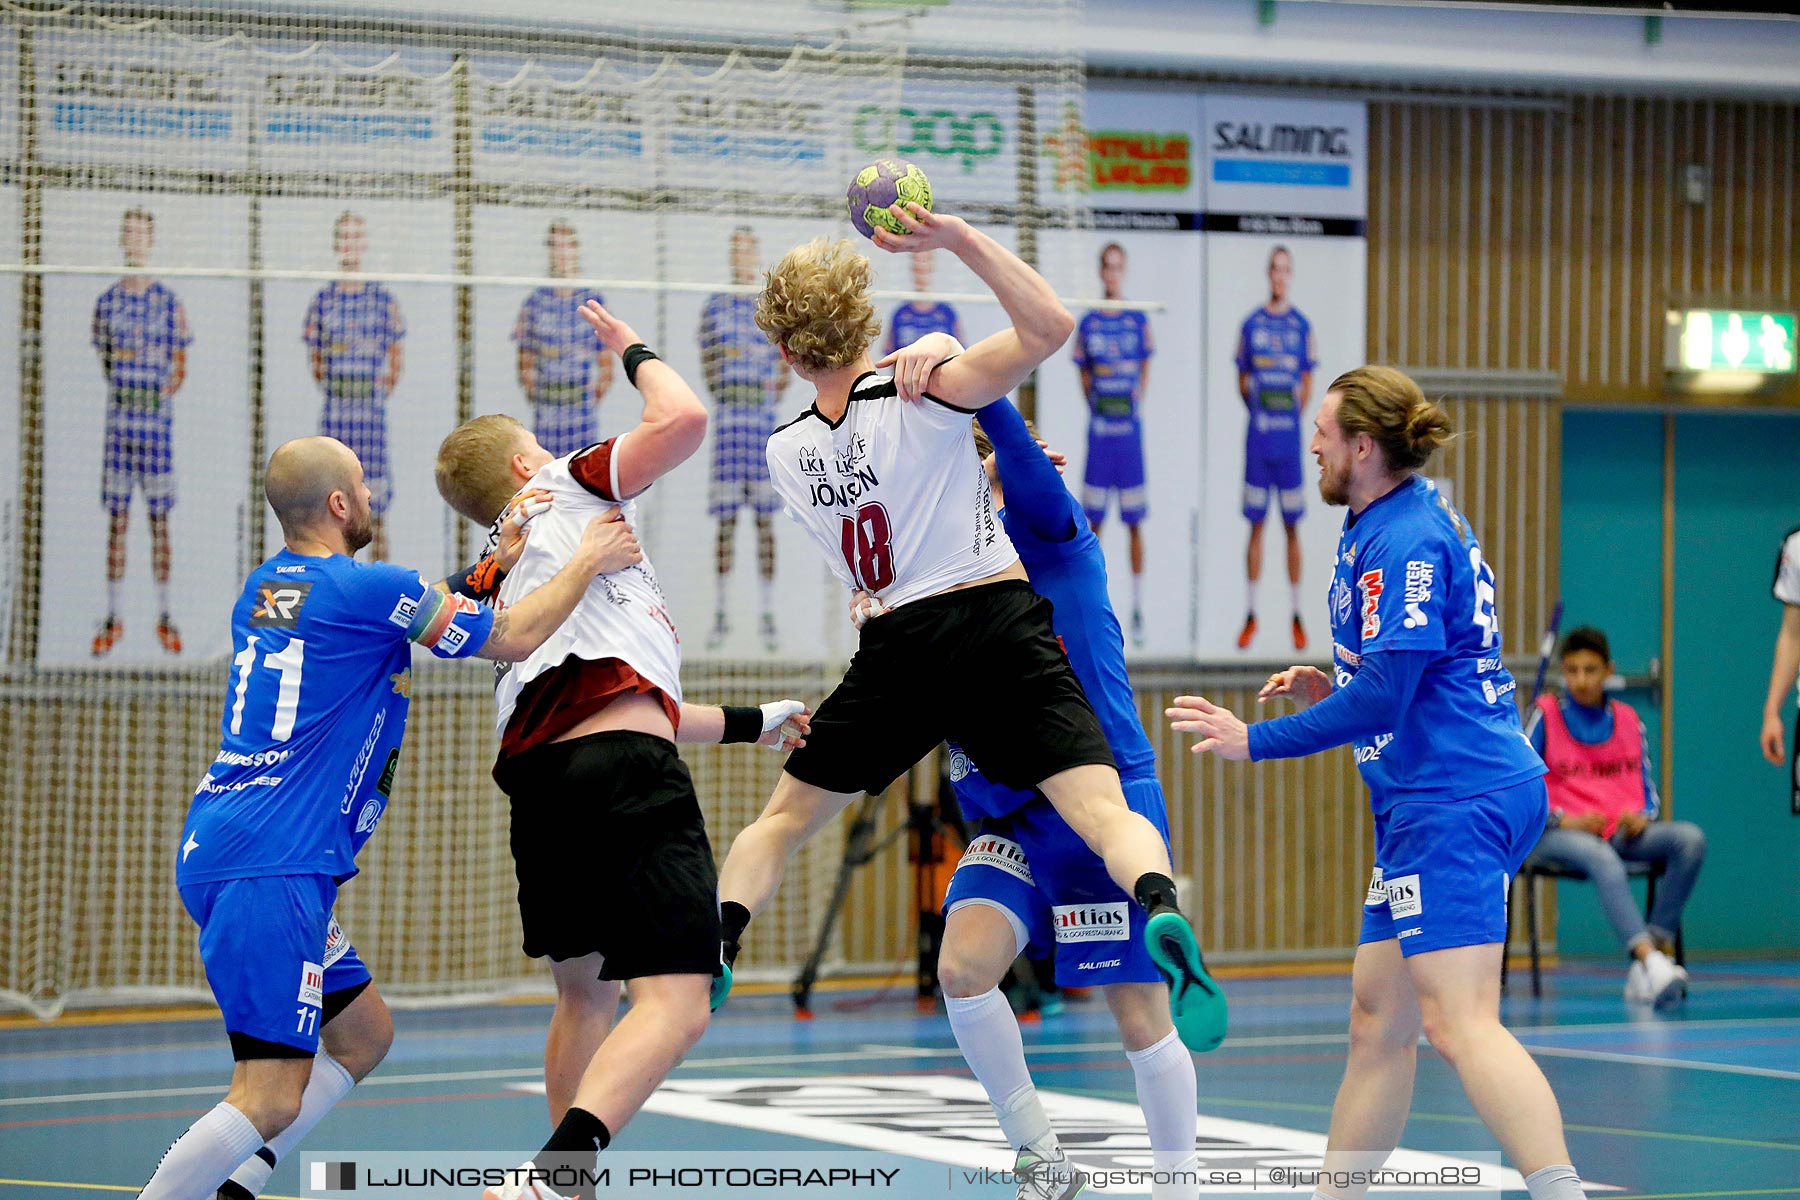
(624, 615)
(894, 493)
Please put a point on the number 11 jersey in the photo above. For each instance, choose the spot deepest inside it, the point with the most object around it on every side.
(893, 493)
(315, 707)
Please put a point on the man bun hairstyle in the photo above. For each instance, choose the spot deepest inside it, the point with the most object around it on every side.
(1388, 406)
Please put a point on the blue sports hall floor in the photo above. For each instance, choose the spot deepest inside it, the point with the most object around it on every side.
(1703, 1102)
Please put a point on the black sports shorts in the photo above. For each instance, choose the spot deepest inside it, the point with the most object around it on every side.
(611, 855)
(980, 667)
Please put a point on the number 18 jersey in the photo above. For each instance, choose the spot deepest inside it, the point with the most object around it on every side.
(315, 708)
(893, 493)
(1410, 576)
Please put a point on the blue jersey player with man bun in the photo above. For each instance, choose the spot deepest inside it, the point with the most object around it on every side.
(1028, 880)
(315, 708)
(1458, 794)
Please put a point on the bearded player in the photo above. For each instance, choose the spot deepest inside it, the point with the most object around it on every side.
(895, 497)
(562, 373)
(354, 336)
(140, 332)
(310, 737)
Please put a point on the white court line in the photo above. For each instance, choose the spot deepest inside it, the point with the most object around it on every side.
(1645, 1060)
(879, 1050)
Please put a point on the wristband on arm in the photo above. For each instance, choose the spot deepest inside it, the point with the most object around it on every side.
(743, 723)
(634, 357)
(478, 581)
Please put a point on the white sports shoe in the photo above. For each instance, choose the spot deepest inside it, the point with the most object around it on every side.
(520, 1186)
(1655, 979)
(1043, 1178)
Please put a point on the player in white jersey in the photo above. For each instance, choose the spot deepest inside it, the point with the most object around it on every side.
(616, 877)
(883, 474)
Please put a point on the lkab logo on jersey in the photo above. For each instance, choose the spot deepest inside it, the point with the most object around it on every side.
(939, 132)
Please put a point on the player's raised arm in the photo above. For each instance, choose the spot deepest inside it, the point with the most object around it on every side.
(521, 628)
(995, 365)
(674, 421)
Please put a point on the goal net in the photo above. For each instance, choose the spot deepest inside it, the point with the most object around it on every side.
(224, 227)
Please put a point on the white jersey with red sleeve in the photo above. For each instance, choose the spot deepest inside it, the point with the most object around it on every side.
(624, 615)
(894, 493)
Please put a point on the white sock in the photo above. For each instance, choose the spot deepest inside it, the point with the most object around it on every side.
(1250, 597)
(327, 1084)
(1137, 591)
(1166, 1091)
(112, 597)
(721, 585)
(203, 1157)
(988, 1035)
(1294, 592)
(767, 591)
(1557, 1182)
(162, 597)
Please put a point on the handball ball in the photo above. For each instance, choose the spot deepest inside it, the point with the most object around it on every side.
(881, 185)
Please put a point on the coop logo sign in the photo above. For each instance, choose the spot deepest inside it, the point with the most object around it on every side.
(937, 133)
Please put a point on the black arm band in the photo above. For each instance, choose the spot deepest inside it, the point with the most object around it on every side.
(634, 357)
(743, 723)
(479, 581)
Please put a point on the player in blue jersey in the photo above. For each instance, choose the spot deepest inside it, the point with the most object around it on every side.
(561, 372)
(1028, 880)
(141, 333)
(315, 708)
(354, 334)
(1276, 354)
(1112, 351)
(1458, 793)
(916, 318)
(746, 376)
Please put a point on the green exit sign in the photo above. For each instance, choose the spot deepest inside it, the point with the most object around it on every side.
(1714, 339)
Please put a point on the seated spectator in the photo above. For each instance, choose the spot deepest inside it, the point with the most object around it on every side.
(1603, 807)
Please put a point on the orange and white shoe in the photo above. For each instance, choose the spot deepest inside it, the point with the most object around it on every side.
(168, 635)
(520, 1185)
(1249, 632)
(1299, 633)
(110, 633)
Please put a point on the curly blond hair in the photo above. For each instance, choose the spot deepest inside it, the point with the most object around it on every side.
(474, 466)
(816, 304)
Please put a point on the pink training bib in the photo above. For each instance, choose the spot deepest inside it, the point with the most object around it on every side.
(1607, 778)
